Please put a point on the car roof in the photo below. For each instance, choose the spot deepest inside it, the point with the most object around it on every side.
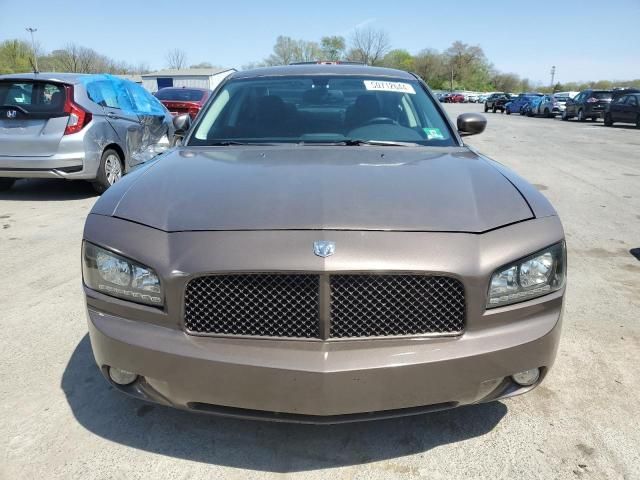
(47, 76)
(320, 69)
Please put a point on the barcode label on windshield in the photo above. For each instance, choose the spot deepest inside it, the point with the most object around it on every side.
(380, 86)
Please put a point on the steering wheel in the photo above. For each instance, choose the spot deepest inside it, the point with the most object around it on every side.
(380, 120)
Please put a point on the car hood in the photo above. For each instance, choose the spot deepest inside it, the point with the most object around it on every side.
(317, 187)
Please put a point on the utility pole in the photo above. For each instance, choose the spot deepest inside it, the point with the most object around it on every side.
(451, 81)
(553, 75)
(33, 46)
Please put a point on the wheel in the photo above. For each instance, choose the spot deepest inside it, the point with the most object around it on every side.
(494, 109)
(594, 119)
(581, 117)
(486, 109)
(507, 111)
(6, 183)
(607, 119)
(564, 116)
(638, 121)
(547, 113)
(110, 170)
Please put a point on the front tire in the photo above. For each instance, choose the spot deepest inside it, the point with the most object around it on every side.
(486, 109)
(494, 109)
(6, 183)
(638, 121)
(581, 117)
(110, 171)
(547, 113)
(607, 120)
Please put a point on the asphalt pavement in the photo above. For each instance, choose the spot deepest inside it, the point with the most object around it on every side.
(60, 419)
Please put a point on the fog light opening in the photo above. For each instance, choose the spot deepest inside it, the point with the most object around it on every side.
(527, 377)
(122, 377)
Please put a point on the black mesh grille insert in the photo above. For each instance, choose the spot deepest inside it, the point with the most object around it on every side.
(383, 305)
(272, 305)
(358, 305)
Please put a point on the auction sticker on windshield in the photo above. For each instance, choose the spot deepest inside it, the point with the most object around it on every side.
(379, 86)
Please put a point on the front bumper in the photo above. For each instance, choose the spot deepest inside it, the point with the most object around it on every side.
(329, 382)
(314, 380)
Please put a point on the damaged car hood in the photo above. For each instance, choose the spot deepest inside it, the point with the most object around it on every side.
(300, 187)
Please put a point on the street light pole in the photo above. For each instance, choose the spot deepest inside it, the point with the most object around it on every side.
(553, 74)
(33, 46)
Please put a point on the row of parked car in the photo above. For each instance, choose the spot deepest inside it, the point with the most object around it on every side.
(461, 97)
(613, 106)
(90, 127)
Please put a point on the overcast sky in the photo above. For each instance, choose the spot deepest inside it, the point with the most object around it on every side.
(586, 40)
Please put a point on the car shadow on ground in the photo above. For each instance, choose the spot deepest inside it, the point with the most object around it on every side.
(48, 190)
(262, 446)
(629, 126)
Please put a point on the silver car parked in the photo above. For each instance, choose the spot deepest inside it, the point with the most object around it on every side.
(77, 126)
(548, 105)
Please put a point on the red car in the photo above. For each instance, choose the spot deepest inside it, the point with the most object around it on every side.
(454, 98)
(183, 100)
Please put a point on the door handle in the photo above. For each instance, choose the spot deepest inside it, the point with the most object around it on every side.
(112, 115)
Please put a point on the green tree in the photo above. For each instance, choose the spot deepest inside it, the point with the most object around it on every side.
(399, 59)
(432, 67)
(468, 65)
(15, 56)
(333, 48)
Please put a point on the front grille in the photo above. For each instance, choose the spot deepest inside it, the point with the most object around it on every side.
(383, 305)
(258, 305)
(354, 305)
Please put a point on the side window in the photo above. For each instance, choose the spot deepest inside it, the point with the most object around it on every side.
(103, 93)
(622, 99)
(632, 100)
(143, 102)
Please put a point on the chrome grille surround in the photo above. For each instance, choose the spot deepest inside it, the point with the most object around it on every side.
(324, 306)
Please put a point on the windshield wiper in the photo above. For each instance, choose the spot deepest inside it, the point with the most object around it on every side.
(378, 143)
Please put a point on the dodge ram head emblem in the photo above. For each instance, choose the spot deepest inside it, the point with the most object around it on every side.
(324, 248)
(11, 113)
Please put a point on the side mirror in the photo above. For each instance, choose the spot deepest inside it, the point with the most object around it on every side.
(182, 123)
(471, 123)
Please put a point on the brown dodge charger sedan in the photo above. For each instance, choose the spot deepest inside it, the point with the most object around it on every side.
(322, 247)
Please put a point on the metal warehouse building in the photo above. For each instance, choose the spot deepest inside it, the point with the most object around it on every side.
(189, 77)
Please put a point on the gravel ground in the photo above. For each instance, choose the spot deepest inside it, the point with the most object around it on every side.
(59, 419)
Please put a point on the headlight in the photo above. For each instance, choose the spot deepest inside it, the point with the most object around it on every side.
(534, 276)
(111, 274)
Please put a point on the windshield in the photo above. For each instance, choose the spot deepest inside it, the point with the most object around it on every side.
(322, 109)
(35, 97)
(180, 94)
(601, 95)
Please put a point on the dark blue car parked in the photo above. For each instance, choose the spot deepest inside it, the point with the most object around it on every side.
(516, 105)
